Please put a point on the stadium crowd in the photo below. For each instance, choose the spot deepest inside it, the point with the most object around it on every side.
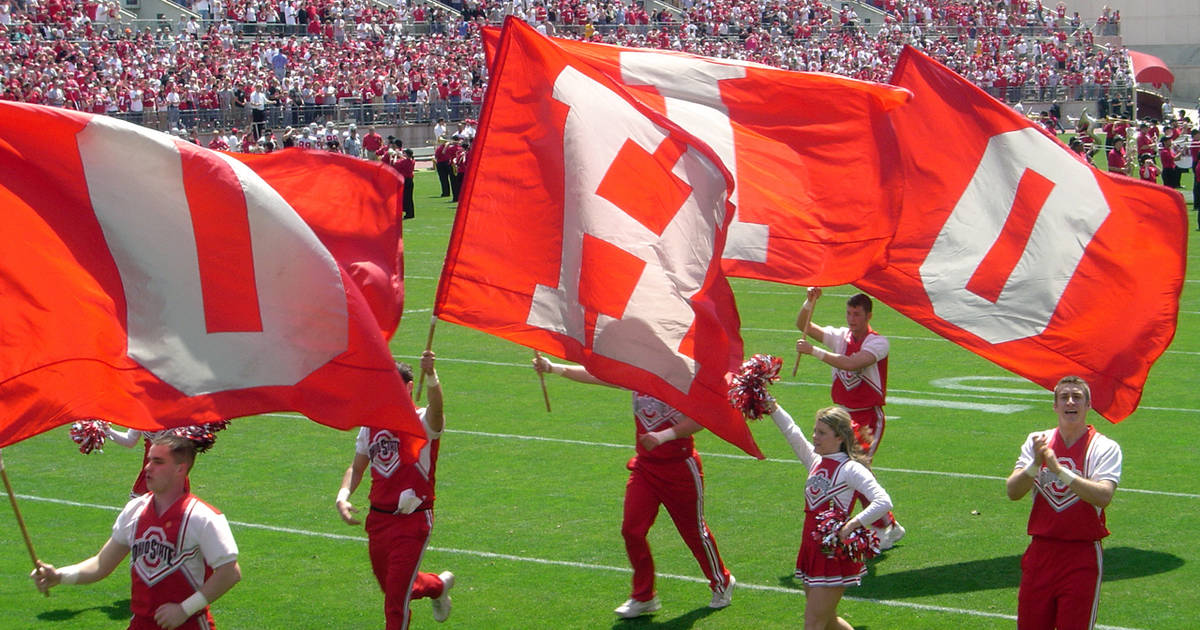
(295, 60)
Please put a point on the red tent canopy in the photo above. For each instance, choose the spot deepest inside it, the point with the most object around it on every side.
(1151, 69)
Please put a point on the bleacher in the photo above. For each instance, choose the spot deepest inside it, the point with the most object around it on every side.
(399, 65)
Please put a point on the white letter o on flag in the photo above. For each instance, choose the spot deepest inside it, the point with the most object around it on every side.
(1070, 217)
(136, 186)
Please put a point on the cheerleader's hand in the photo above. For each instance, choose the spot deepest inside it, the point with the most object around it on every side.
(847, 529)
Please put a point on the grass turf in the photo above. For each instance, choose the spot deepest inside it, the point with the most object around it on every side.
(529, 503)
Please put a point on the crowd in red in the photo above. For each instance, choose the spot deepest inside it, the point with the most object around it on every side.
(295, 60)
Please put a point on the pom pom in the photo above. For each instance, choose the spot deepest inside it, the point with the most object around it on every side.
(89, 435)
(861, 545)
(204, 436)
(748, 390)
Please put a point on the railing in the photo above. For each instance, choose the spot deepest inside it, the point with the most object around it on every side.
(280, 116)
(1061, 93)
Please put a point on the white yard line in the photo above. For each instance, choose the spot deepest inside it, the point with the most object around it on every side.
(575, 565)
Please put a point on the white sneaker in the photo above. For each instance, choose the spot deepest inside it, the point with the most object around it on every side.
(722, 596)
(441, 604)
(633, 608)
(890, 535)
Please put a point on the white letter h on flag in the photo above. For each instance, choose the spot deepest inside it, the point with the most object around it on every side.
(658, 227)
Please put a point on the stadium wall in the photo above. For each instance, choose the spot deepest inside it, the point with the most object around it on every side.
(1167, 29)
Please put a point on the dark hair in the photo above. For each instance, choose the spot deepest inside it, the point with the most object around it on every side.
(406, 371)
(861, 301)
(182, 449)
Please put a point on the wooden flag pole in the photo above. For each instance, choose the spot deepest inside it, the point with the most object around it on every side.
(542, 378)
(12, 498)
(428, 346)
(802, 321)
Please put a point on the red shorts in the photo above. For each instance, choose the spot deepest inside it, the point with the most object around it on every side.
(1060, 584)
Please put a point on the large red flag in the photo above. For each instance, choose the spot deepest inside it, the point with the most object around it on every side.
(354, 207)
(1014, 247)
(590, 228)
(153, 283)
(811, 155)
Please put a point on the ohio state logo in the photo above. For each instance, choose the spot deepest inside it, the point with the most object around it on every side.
(154, 556)
(818, 486)
(653, 413)
(384, 453)
(1059, 495)
(850, 380)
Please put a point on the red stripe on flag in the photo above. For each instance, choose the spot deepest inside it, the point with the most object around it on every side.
(223, 248)
(993, 272)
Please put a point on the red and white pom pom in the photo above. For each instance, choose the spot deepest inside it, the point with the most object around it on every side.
(861, 545)
(748, 389)
(204, 436)
(89, 435)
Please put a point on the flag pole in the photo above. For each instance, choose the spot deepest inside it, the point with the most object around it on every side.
(542, 378)
(12, 498)
(802, 321)
(428, 346)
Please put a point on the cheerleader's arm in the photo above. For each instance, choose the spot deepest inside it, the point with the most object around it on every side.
(880, 503)
(794, 436)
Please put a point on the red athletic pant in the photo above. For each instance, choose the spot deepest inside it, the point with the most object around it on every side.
(1060, 585)
(679, 486)
(396, 543)
(868, 426)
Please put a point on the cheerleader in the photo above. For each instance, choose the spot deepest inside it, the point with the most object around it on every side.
(836, 478)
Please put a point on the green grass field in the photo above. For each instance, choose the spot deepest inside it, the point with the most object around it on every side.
(529, 502)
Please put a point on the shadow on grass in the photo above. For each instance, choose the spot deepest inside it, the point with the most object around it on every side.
(686, 620)
(117, 611)
(1120, 563)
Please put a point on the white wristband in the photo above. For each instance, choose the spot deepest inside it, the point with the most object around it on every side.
(194, 604)
(342, 495)
(667, 435)
(68, 575)
(1031, 471)
(433, 380)
(819, 354)
(1066, 476)
(560, 370)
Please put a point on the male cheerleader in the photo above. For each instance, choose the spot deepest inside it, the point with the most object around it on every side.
(1075, 470)
(401, 517)
(176, 540)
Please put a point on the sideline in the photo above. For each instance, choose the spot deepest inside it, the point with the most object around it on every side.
(575, 565)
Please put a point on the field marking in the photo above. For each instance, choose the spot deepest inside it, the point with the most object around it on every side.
(1042, 397)
(793, 331)
(936, 473)
(576, 565)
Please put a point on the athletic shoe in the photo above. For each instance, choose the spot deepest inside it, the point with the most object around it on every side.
(441, 604)
(722, 596)
(633, 608)
(890, 535)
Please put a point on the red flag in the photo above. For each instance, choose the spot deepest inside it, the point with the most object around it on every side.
(1015, 248)
(151, 282)
(811, 154)
(589, 229)
(361, 228)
